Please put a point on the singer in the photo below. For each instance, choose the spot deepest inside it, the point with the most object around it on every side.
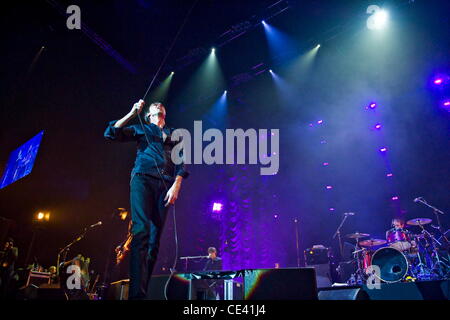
(155, 184)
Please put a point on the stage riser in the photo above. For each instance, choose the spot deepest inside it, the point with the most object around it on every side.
(280, 284)
(425, 290)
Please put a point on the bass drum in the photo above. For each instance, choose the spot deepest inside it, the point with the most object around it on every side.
(392, 263)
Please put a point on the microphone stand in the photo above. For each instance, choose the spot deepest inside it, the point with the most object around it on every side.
(296, 242)
(338, 233)
(66, 249)
(189, 258)
(436, 212)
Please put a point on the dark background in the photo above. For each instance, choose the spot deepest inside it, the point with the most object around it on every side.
(76, 87)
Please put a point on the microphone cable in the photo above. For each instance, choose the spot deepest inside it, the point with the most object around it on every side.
(172, 270)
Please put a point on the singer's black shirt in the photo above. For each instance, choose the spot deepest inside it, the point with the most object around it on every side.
(149, 158)
(213, 265)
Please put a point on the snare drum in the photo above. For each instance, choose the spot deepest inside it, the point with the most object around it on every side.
(398, 239)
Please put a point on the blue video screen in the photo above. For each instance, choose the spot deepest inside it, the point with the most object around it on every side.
(21, 161)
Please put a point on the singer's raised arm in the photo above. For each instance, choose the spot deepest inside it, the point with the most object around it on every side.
(121, 134)
(117, 129)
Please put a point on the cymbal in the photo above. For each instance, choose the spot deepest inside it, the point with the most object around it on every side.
(372, 242)
(418, 221)
(357, 235)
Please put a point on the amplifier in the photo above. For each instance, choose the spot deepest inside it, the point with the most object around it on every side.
(318, 254)
(38, 278)
(323, 275)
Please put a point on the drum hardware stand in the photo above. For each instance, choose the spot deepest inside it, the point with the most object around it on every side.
(437, 266)
(436, 212)
(359, 276)
(423, 270)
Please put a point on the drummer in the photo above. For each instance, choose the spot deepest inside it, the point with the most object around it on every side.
(398, 224)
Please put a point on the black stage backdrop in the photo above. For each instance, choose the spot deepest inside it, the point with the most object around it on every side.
(83, 79)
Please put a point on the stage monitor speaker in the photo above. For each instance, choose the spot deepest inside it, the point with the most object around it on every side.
(32, 292)
(422, 290)
(178, 288)
(343, 294)
(280, 284)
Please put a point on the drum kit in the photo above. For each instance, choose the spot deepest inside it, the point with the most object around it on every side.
(403, 256)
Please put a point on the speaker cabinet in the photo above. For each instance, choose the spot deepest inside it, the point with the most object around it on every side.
(280, 284)
(343, 294)
(178, 288)
(423, 290)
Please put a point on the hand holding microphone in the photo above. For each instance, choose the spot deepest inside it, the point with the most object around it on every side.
(137, 107)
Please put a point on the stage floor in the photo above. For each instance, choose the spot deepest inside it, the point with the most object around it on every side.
(420, 290)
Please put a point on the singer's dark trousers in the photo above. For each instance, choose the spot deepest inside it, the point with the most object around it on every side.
(148, 215)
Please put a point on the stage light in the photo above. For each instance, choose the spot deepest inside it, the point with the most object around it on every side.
(372, 105)
(225, 92)
(329, 187)
(213, 50)
(438, 81)
(320, 122)
(389, 175)
(331, 209)
(394, 198)
(279, 42)
(377, 126)
(161, 91)
(318, 46)
(326, 164)
(270, 70)
(42, 216)
(275, 216)
(217, 207)
(383, 150)
(263, 22)
(378, 18)
(446, 105)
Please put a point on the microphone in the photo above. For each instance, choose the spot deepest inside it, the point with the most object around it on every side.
(349, 213)
(418, 199)
(95, 224)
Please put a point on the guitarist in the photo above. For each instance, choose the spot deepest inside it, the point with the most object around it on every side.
(123, 249)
